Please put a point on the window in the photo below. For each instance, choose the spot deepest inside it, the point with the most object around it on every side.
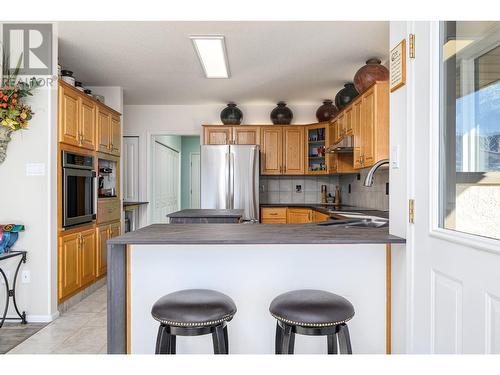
(470, 128)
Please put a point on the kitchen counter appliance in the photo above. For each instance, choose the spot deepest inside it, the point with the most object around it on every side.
(230, 178)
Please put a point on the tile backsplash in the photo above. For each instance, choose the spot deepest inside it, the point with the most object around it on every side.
(295, 189)
(374, 197)
(284, 189)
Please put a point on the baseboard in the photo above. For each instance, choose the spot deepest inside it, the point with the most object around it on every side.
(35, 318)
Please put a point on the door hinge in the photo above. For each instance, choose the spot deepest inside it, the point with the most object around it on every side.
(412, 46)
(411, 211)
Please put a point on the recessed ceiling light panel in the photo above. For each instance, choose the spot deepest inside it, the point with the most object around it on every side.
(211, 51)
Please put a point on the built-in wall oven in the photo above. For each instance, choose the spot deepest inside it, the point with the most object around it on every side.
(79, 189)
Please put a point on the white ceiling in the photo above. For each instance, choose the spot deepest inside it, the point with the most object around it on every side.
(299, 62)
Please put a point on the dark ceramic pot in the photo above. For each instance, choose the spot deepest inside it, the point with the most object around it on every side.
(281, 115)
(346, 95)
(231, 115)
(327, 111)
(368, 74)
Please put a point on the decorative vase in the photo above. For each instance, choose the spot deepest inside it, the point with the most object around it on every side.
(281, 115)
(231, 115)
(4, 141)
(368, 74)
(346, 95)
(327, 111)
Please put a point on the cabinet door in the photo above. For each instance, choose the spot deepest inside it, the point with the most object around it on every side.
(299, 216)
(341, 126)
(217, 135)
(87, 123)
(293, 150)
(348, 120)
(273, 215)
(246, 135)
(69, 129)
(357, 133)
(334, 132)
(88, 256)
(115, 229)
(271, 156)
(116, 135)
(319, 216)
(103, 130)
(368, 129)
(68, 264)
(103, 234)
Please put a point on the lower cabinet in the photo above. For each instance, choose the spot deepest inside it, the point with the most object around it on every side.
(291, 215)
(104, 233)
(82, 257)
(299, 216)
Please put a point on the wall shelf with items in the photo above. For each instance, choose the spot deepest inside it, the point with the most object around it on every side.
(317, 160)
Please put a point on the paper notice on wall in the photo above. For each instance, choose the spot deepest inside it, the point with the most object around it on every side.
(398, 66)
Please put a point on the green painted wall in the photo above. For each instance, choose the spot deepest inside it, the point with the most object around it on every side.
(189, 144)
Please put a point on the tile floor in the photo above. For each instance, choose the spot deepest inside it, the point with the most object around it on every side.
(80, 330)
(12, 334)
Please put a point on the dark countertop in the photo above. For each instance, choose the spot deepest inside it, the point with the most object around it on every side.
(255, 234)
(125, 204)
(203, 213)
(331, 209)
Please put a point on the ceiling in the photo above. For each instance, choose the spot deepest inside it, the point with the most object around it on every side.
(155, 63)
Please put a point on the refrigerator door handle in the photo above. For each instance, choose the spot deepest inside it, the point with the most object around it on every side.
(254, 190)
(228, 178)
(231, 188)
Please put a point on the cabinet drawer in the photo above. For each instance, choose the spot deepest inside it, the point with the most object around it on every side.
(273, 215)
(108, 209)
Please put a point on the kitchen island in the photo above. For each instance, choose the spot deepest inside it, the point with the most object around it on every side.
(252, 263)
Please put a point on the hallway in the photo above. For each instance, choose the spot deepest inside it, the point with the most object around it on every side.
(81, 330)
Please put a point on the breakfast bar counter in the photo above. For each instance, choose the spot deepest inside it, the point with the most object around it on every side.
(252, 263)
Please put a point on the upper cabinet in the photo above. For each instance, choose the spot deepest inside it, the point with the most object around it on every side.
(316, 142)
(367, 120)
(227, 135)
(85, 123)
(282, 150)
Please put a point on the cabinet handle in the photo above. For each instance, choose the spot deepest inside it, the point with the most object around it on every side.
(273, 213)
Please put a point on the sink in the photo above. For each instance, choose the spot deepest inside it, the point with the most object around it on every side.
(376, 223)
(358, 221)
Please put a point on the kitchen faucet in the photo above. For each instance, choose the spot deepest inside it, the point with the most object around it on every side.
(369, 177)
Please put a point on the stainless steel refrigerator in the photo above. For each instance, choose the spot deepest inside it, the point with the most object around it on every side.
(230, 178)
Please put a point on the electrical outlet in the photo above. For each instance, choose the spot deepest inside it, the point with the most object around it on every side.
(26, 277)
(7, 273)
(298, 188)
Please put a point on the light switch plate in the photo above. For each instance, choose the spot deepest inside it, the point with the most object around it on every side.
(395, 157)
(35, 169)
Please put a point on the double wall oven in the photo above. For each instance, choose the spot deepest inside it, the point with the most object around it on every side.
(79, 189)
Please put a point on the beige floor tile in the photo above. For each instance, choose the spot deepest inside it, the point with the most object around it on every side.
(100, 320)
(87, 340)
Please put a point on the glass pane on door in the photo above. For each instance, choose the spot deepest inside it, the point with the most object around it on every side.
(470, 127)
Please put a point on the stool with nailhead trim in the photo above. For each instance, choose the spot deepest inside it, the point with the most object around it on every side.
(193, 312)
(315, 313)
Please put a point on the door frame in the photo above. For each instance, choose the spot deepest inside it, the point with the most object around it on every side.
(190, 177)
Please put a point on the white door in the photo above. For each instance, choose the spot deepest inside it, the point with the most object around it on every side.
(130, 169)
(166, 182)
(454, 277)
(195, 180)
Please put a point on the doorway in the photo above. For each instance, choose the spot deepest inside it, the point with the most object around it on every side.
(166, 181)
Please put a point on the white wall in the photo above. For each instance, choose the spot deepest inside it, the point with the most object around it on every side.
(147, 120)
(31, 200)
(113, 96)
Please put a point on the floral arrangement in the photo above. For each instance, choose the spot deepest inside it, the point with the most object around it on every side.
(14, 113)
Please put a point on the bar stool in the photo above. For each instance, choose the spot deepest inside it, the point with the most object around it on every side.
(315, 313)
(193, 312)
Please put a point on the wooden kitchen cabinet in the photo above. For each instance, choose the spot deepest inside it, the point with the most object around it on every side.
(348, 121)
(108, 210)
(69, 116)
(104, 233)
(87, 256)
(103, 130)
(356, 130)
(116, 135)
(87, 123)
(319, 216)
(299, 216)
(217, 135)
(293, 150)
(271, 156)
(273, 215)
(317, 136)
(246, 135)
(68, 264)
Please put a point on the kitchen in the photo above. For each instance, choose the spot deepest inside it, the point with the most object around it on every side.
(301, 188)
